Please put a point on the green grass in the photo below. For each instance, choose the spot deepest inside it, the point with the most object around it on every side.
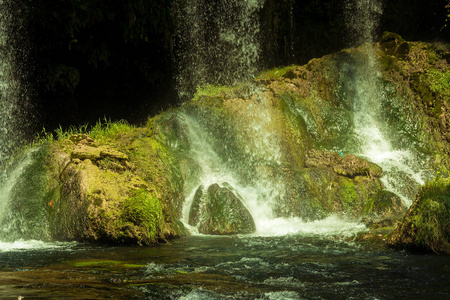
(212, 90)
(106, 130)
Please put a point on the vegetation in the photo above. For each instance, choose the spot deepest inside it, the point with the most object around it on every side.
(426, 226)
(439, 81)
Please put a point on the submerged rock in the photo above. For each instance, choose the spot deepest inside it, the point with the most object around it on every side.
(219, 211)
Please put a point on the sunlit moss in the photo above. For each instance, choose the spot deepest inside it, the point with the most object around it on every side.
(274, 73)
(439, 81)
(212, 90)
(426, 225)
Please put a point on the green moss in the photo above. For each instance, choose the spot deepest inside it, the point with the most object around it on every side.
(103, 264)
(274, 73)
(144, 210)
(426, 225)
(105, 131)
(439, 81)
(211, 90)
(349, 195)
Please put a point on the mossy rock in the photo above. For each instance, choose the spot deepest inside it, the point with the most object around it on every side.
(426, 225)
(110, 198)
(219, 211)
(384, 205)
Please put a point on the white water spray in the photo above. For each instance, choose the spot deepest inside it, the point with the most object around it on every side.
(211, 168)
(403, 172)
(259, 196)
(15, 108)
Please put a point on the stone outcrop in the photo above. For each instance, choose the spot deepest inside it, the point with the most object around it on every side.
(291, 128)
(426, 225)
(99, 196)
(342, 164)
(220, 211)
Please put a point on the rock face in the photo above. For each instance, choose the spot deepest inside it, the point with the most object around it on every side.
(426, 225)
(288, 133)
(342, 164)
(219, 211)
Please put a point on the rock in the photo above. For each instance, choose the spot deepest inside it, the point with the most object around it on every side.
(83, 152)
(394, 44)
(219, 211)
(100, 196)
(384, 206)
(426, 225)
(343, 164)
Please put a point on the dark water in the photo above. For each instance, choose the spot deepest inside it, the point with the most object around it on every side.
(201, 267)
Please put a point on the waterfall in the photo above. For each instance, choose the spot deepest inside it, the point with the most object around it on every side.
(403, 170)
(211, 160)
(218, 42)
(212, 168)
(15, 108)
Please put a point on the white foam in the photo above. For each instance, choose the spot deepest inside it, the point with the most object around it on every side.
(332, 225)
(22, 245)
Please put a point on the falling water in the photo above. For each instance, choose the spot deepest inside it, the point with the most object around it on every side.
(218, 41)
(259, 195)
(16, 110)
(403, 171)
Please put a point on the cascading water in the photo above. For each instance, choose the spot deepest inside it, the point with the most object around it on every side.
(403, 171)
(213, 158)
(219, 42)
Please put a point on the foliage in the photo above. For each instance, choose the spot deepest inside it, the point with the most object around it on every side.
(274, 73)
(107, 130)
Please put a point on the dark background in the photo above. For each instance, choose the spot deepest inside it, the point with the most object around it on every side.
(89, 59)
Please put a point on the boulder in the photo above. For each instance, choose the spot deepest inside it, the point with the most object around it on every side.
(100, 194)
(426, 225)
(219, 211)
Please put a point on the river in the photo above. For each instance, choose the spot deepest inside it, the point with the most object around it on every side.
(292, 266)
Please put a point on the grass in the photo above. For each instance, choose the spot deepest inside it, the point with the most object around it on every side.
(211, 90)
(103, 130)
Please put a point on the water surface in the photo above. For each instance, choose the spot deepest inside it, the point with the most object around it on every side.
(240, 267)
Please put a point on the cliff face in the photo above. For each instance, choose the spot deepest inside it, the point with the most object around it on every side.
(292, 133)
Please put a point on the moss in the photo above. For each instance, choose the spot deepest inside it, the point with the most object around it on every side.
(274, 73)
(211, 90)
(426, 225)
(439, 81)
(144, 210)
(350, 196)
(103, 264)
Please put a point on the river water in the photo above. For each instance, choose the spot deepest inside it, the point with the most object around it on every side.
(293, 266)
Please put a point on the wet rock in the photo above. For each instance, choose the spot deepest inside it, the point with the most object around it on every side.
(343, 164)
(219, 211)
(384, 206)
(426, 225)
